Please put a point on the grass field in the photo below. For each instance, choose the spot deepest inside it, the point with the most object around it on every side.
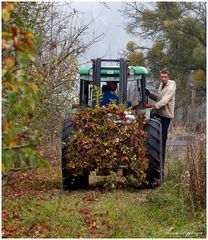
(34, 206)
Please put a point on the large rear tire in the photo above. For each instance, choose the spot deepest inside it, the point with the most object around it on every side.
(153, 142)
(69, 181)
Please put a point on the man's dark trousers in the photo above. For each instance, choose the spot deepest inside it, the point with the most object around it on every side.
(165, 122)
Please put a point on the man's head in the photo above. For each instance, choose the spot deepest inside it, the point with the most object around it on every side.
(112, 86)
(164, 76)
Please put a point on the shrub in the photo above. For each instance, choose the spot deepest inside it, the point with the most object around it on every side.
(105, 138)
(20, 93)
(187, 167)
(195, 177)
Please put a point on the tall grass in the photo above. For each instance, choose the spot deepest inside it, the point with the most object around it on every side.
(179, 129)
(195, 178)
(187, 167)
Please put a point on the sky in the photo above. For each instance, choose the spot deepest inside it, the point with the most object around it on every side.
(108, 21)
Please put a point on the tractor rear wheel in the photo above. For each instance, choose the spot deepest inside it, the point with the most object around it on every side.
(69, 181)
(153, 143)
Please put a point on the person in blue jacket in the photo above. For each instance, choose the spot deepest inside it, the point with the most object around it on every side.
(110, 96)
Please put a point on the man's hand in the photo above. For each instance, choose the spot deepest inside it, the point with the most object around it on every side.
(134, 104)
(153, 96)
(147, 92)
(150, 95)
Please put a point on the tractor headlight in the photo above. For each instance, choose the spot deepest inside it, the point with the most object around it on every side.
(91, 72)
(131, 72)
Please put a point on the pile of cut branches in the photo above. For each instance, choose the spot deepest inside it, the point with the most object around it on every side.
(105, 138)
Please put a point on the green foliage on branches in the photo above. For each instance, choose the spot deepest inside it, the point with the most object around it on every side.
(134, 56)
(104, 139)
(96, 95)
(19, 91)
(131, 46)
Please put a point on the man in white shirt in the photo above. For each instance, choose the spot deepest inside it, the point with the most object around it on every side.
(165, 104)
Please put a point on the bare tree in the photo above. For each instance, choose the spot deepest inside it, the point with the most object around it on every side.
(60, 32)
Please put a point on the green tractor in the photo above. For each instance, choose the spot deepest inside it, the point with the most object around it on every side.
(132, 83)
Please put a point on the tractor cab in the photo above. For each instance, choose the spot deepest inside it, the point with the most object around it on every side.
(131, 82)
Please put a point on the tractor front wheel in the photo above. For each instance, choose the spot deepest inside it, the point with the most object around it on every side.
(69, 181)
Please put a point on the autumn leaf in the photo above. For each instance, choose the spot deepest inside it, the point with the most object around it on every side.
(6, 35)
(13, 141)
(3, 43)
(124, 159)
(17, 44)
(3, 168)
(13, 86)
(15, 30)
(7, 125)
(9, 6)
(9, 62)
(29, 43)
(52, 46)
(5, 15)
(93, 226)
(29, 35)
